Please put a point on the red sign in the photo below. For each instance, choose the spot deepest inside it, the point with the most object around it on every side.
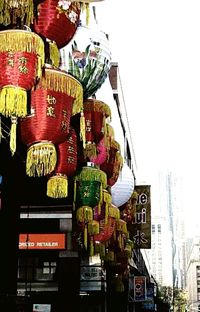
(42, 241)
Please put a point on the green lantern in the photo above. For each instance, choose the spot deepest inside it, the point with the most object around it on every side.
(88, 186)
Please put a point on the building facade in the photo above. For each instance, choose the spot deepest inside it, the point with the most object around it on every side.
(193, 274)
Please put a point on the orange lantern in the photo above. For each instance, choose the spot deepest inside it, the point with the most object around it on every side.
(57, 185)
(57, 20)
(56, 97)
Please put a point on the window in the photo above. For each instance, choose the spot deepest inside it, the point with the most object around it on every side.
(35, 269)
(159, 228)
(46, 271)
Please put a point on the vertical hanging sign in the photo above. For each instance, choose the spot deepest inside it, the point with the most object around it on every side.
(137, 288)
(140, 226)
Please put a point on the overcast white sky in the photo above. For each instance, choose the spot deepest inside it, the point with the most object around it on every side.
(157, 47)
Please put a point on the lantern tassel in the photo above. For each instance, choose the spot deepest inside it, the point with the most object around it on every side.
(57, 186)
(107, 198)
(10, 14)
(74, 201)
(85, 237)
(13, 132)
(90, 150)
(41, 159)
(91, 248)
(13, 101)
(54, 54)
(1, 135)
(82, 129)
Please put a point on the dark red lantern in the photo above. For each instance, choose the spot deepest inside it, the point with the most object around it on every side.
(117, 167)
(113, 163)
(56, 97)
(57, 185)
(95, 113)
(56, 21)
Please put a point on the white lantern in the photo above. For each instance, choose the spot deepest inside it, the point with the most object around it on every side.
(122, 190)
(88, 58)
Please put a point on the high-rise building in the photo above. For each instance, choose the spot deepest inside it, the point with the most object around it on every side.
(167, 255)
(193, 274)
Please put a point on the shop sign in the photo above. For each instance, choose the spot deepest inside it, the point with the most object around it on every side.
(41, 307)
(42, 241)
(149, 304)
(92, 278)
(137, 288)
(140, 226)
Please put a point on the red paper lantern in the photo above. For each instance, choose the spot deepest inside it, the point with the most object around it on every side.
(118, 164)
(106, 230)
(21, 61)
(57, 185)
(95, 113)
(56, 97)
(113, 163)
(56, 21)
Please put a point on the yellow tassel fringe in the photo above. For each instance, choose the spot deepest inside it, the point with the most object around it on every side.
(82, 129)
(85, 236)
(41, 159)
(90, 150)
(97, 106)
(54, 54)
(14, 40)
(114, 212)
(107, 199)
(57, 186)
(13, 101)
(91, 248)
(11, 10)
(93, 227)
(92, 174)
(84, 214)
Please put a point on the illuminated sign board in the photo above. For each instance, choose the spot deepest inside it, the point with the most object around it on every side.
(42, 241)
